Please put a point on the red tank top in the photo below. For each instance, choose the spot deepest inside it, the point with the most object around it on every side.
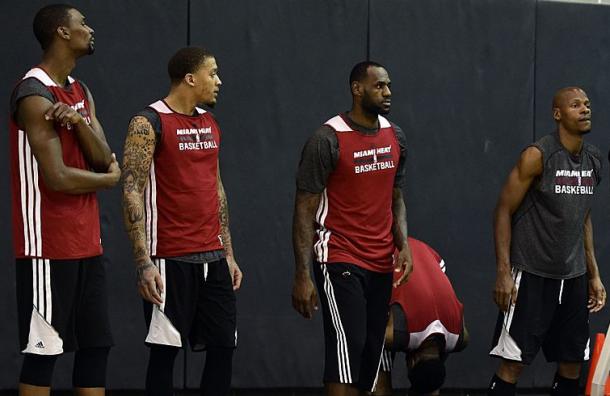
(428, 300)
(354, 219)
(181, 197)
(50, 224)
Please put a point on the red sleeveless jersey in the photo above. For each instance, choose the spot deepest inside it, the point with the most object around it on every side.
(354, 219)
(181, 197)
(428, 300)
(50, 224)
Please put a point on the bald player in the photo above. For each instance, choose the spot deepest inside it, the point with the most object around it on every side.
(547, 278)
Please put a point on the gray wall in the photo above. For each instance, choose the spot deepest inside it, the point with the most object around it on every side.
(472, 83)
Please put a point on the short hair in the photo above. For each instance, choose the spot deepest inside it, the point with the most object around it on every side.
(559, 95)
(359, 71)
(427, 375)
(186, 60)
(47, 20)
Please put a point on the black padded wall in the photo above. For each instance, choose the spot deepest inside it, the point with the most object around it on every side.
(134, 39)
(462, 88)
(573, 49)
(285, 67)
(472, 80)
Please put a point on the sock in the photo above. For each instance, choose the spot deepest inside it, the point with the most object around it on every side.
(499, 387)
(564, 386)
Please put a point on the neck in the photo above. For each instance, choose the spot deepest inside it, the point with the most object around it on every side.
(58, 66)
(571, 141)
(180, 102)
(363, 117)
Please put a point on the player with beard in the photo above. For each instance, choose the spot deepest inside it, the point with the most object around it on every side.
(60, 157)
(349, 219)
(175, 211)
(547, 278)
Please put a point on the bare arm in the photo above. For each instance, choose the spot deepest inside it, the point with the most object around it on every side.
(516, 186)
(597, 292)
(223, 215)
(404, 261)
(138, 154)
(90, 137)
(46, 147)
(304, 296)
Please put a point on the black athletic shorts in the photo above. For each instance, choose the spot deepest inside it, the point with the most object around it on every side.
(198, 306)
(62, 305)
(549, 313)
(355, 312)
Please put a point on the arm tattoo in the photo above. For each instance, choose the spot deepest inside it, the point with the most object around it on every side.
(139, 150)
(399, 222)
(304, 228)
(140, 269)
(223, 216)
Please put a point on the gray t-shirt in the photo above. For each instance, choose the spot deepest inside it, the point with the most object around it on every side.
(33, 87)
(198, 257)
(548, 227)
(321, 153)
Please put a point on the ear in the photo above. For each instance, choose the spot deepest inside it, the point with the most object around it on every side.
(556, 114)
(189, 79)
(356, 88)
(63, 32)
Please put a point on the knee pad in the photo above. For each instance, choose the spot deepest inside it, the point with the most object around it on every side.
(90, 368)
(37, 370)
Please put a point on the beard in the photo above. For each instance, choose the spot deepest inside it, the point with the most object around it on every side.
(371, 107)
(211, 104)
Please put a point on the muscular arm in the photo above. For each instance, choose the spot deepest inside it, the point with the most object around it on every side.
(138, 154)
(304, 297)
(597, 292)
(516, 186)
(92, 140)
(223, 215)
(46, 147)
(404, 261)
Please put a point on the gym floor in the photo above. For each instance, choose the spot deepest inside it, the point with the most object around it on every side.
(293, 392)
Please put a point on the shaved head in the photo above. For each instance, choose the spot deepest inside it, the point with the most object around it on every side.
(572, 110)
(561, 95)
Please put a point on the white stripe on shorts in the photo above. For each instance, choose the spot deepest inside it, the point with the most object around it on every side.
(161, 330)
(43, 339)
(506, 347)
(386, 361)
(345, 374)
(378, 368)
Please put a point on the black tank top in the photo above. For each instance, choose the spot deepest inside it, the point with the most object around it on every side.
(547, 228)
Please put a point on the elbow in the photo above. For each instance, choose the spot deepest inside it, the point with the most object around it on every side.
(501, 211)
(100, 165)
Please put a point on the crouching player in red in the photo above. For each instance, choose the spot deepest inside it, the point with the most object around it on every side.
(426, 322)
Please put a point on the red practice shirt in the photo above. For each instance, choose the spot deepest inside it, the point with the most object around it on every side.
(428, 300)
(181, 197)
(50, 224)
(354, 219)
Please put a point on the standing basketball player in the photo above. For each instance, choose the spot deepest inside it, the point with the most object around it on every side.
(59, 159)
(546, 266)
(350, 214)
(176, 214)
